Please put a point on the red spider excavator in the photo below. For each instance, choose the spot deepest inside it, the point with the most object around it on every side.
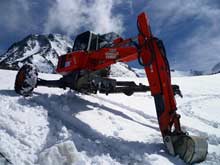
(85, 70)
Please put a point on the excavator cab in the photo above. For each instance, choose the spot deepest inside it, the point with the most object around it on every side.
(89, 41)
(86, 41)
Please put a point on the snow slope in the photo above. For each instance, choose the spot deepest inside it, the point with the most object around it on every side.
(62, 127)
(174, 73)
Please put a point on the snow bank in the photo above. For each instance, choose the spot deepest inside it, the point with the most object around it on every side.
(59, 154)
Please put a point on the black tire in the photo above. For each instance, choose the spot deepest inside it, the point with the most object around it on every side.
(26, 80)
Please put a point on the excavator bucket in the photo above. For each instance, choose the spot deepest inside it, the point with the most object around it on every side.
(191, 149)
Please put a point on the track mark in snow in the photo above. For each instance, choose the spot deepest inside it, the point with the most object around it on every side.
(188, 110)
(101, 149)
(94, 143)
(191, 109)
(128, 108)
(23, 128)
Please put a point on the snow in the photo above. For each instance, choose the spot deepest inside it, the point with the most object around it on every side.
(28, 51)
(216, 68)
(62, 153)
(57, 126)
(41, 64)
(120, 69)
(60, 44)
(174, 73)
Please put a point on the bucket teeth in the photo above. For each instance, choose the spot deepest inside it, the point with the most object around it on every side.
(191, 149)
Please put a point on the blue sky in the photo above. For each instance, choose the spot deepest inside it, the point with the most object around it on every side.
(189, 29)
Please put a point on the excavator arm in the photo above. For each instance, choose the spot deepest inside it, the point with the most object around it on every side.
(190, 148)
(151, 54)
(156, 66)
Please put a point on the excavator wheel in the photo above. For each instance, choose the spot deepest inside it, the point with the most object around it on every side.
(191, 149)
(26, 80)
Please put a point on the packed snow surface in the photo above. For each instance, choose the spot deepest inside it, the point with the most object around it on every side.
(62, 127)
(174, 73)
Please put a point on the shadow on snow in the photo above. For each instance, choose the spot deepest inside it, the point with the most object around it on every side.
(86, 138)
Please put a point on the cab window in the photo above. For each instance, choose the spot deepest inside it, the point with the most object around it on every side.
(81, 41)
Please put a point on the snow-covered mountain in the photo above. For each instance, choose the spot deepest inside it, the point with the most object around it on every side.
(216, 68)
(41, 50)
(123, 70)
(62, 127)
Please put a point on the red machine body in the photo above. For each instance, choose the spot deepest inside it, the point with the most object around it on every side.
(95, 60)
(153, 58)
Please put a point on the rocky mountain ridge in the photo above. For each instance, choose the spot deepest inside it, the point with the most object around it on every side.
(41, 50)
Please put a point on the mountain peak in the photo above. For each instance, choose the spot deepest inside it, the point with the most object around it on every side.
(41, 50)
(216, 68)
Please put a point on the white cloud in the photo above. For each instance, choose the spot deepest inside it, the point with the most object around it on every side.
(71, 16)
(12, 13)
(24, 4)
(201, 49)
(15, 15)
